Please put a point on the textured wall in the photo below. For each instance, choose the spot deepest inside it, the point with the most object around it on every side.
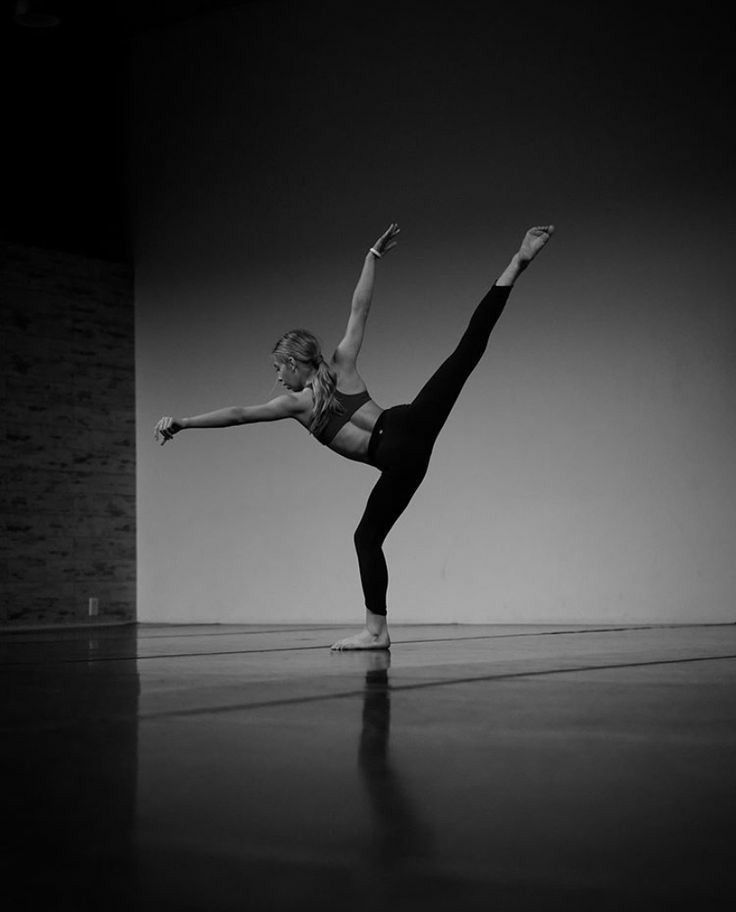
(68, 448)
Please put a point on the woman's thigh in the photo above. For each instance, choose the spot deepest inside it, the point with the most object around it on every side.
(390, 496)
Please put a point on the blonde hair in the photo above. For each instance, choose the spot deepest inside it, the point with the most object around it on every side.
(302, 345)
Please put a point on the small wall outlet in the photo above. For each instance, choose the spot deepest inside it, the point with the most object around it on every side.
(94, 607)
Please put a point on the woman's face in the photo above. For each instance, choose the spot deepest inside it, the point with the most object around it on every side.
(289, 375)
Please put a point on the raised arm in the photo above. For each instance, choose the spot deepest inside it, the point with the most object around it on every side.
(288, 406)
(346, 353)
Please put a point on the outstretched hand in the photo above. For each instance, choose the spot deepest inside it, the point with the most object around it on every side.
(165, 429)
(386, 241)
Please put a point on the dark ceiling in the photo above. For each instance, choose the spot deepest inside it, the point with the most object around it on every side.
(68, 119)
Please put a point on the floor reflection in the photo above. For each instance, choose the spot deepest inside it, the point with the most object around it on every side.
(71, 767)
(398, 832)
(272, 775)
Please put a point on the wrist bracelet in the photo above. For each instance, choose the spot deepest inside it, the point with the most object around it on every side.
(376, 253)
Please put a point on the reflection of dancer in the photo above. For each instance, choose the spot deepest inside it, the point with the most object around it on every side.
(399, 834)
(332, 401)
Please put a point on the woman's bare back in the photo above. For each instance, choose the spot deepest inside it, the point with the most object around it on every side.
(351, 441)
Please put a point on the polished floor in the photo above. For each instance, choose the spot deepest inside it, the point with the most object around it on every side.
(496, 768)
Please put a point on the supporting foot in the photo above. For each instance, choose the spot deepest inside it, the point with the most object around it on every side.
(364, 640)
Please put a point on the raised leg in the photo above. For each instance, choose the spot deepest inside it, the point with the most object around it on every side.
(433, 404)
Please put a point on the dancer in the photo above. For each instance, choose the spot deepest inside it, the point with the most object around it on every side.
(331, 400)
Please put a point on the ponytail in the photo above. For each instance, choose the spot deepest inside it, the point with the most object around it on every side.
(325, 403)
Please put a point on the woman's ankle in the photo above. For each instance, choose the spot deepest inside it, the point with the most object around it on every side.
(376, 623)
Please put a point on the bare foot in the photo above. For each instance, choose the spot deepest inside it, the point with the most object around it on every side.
(364, 640)
(533, 242)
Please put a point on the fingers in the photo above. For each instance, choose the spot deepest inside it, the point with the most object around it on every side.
(385, 241)
(162, 431)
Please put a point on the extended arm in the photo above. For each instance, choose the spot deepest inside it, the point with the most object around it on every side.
(348, 349)
(363, 294)
(278, 408)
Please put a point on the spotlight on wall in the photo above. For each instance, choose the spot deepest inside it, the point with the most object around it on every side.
(33, 15)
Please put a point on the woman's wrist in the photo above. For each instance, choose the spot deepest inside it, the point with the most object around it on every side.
(520, 261)
(373, 252)
(512, 272)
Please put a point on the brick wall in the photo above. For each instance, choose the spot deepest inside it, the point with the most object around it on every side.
(67, 451)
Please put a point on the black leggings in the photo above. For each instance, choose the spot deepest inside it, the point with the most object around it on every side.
(402, 441)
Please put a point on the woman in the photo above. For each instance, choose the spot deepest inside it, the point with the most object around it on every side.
(332, 402)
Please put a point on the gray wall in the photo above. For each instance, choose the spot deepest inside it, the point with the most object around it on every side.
(67, 460)
(586, 474)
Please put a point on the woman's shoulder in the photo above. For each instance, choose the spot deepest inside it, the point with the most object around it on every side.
(304, 397)
(304, 403)
(349, 381)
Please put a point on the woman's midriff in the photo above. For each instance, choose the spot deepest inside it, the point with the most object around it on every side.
(353, 437)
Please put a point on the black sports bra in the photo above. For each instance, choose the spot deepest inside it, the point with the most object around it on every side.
(350, 403)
